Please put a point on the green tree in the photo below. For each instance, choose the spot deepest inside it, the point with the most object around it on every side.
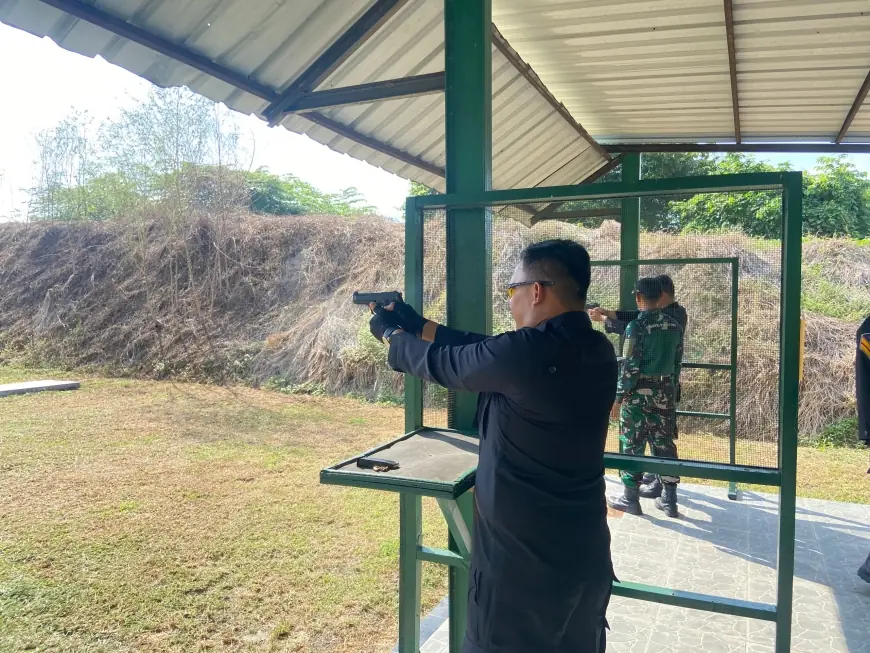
(289, 195)
(416, 190)
(837, 199)
(67, 162)
(755, 213)
(110, 195)
(656, 213)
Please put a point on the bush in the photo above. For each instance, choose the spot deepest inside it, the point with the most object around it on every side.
(841, 435)
(288, 387)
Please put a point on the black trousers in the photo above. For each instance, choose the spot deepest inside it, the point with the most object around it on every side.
(505, 621)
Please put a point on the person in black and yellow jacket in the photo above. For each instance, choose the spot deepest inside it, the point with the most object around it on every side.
(862, 392)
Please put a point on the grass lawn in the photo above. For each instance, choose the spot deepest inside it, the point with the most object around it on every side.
(142, 516)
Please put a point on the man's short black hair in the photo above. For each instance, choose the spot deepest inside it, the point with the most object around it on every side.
(564, 262)
(667, 284)
(650, 288)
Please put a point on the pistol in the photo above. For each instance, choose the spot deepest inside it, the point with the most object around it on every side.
(592, 305)
(379, 298)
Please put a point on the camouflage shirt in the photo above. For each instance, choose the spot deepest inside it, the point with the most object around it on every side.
(653, 347)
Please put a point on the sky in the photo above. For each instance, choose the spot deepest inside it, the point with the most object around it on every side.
(41, 84)
(45, 82)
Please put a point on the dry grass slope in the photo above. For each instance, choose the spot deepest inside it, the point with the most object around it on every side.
(250, 298)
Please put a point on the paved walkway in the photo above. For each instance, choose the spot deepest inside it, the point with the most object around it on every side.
(729, 548)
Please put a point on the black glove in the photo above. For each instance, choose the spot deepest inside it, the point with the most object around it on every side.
(409, 319)
(383, 323)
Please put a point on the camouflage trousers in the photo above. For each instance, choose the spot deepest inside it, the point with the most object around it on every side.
(648, 416)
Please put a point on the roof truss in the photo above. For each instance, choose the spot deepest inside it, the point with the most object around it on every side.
(732, 65)
(301, 95)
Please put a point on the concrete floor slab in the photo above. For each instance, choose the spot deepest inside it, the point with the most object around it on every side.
(728, 548)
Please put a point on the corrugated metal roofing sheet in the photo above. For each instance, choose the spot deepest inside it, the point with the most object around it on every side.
(274, 42)
(628, 70)
(658, 70)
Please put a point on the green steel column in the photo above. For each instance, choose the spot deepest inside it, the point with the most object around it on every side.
(410, 568)
(629, 239)
(790, 315)
(468, 127)
(414, 297)
(629, 235)
(732, 404)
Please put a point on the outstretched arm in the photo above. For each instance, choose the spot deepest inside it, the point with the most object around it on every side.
(414, 323)
(490, 365)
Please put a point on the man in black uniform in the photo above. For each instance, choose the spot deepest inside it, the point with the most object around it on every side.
(862, 390)
(541, 571)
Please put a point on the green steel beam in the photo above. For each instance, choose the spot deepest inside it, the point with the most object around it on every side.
(629, 233)
(610, 190)
(441, 557)
(390, 483)
(789, 361)
(693, 469)
(714, 260)
(702, 415)
(776, 148)
(388, 89)
(695, 601)
(458, 524)
(732, 399)
(468, 103)
(331, 58)
(410, 568)
(468, 140)
(414, 297)
(706, 366)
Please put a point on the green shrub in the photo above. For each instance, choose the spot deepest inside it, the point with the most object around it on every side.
(839, 435)
(287, 386)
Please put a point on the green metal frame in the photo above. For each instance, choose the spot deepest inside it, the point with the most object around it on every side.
(468, 131)
(784, 476)
(454, 498)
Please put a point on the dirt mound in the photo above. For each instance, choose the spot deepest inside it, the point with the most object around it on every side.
(245, 298)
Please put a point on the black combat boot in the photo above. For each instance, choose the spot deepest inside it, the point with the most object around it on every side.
(649, 478)
(651, 489)
(668, 501)
(628, 502)
(864, 571)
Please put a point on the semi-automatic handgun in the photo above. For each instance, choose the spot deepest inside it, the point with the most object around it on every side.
(379, 298)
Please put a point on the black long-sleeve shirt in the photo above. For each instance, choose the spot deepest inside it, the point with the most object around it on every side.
(674, 310)
(546, 393)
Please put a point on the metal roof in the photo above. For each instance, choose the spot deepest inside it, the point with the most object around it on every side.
(631, 71)
(274, 42)
(659, 70)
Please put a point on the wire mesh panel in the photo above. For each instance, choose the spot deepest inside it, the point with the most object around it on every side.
(511, 232)
(671, 228)
(704, 289)
(435, 398)
(746, 226)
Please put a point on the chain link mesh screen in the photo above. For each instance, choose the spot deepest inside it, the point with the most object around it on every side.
(435, 398)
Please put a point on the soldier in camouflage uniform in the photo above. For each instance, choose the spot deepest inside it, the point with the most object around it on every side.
(645, 396)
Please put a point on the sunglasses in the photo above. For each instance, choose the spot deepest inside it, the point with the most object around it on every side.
(512, 288)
